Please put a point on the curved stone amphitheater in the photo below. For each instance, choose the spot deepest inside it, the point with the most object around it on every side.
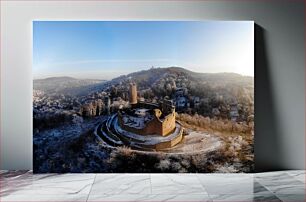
(143, 126)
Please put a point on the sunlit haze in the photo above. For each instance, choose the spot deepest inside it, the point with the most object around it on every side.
(107, 49)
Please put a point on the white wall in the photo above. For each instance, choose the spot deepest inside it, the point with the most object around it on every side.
(280, 73)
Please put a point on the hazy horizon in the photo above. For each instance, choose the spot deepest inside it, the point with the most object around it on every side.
(108, 49)
(101, 78)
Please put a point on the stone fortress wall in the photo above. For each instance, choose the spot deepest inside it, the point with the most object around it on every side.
(170, 143)
(159, 126)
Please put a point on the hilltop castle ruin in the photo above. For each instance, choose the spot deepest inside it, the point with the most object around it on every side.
(145, 126)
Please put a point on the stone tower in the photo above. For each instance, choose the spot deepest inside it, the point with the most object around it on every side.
(107, 104)
(133, 93)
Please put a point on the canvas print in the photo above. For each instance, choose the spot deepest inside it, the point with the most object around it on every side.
(143, 96)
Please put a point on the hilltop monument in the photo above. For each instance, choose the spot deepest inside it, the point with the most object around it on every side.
(133, 93)
(143, 126)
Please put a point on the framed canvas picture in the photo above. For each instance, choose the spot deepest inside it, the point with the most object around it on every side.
(143, 96)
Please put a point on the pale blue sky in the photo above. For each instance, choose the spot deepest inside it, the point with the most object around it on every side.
(107, 49)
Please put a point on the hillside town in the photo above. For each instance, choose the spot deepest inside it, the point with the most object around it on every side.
(186, 95)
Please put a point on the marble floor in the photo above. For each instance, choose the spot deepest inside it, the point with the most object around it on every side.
(271, 186)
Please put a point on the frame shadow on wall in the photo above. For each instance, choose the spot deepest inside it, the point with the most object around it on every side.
(267, 144)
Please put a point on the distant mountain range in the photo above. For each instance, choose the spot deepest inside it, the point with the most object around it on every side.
(153, 74)
(65, 85)
(144, 79)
